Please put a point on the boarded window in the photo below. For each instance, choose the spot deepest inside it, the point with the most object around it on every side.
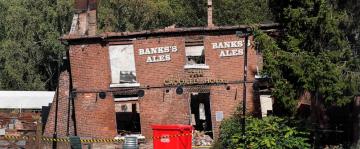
(122, 64)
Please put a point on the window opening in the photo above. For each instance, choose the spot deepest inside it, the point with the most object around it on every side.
(122, 62)
(195, 55)
(127, 114)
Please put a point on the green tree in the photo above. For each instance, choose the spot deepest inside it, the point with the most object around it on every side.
(269, 132)
(29, 47)
(29, 30)
(353, 27)
(134, 15)
(311, 55)
(235, 12)
(189, 13)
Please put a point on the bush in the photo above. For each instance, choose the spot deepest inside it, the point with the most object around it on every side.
(269, 132)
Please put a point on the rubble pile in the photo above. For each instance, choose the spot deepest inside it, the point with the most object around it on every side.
(201, 139)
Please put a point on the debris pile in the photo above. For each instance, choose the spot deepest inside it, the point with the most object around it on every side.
(201, 139)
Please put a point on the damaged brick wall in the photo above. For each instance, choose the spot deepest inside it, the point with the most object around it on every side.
(90, 69)
(62, 115)
(161, 107)
(94, 117)
(91, 74)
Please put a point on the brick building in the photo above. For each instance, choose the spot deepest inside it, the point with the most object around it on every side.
(132, 80)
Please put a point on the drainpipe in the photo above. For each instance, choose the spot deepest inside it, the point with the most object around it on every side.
(243, 119)
(71, 102)
(244, 88)
(70, 99)
(54, 143)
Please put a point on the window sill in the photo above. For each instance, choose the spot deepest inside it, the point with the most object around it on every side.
(125, 85)
(126, 99)
(199, 66)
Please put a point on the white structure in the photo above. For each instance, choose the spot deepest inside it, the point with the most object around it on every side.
(266, 104)
(25, 99)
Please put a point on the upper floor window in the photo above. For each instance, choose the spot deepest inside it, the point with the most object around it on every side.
(122, 61)
(195, 57)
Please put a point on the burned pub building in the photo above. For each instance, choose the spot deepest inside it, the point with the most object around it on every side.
(192, 76)
(125, 82)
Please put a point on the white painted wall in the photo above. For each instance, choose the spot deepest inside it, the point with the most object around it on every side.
(266, 104)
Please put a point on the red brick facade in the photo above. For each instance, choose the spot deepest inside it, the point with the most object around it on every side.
(62, 115)
(171, 108)
(91, 74)
(90, 69)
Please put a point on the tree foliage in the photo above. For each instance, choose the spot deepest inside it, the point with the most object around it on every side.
(312, 54)
(134, 15)
(269, 132)
(30, 52)
(29, 42)
(230, 12)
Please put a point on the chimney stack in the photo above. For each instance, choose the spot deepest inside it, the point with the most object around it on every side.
(84, 20)
(210, 14)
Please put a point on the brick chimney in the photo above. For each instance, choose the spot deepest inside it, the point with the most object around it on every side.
(84, 20)
(210, 14)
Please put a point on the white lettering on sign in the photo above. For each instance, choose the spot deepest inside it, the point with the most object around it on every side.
(159, 58)
(158, 50)
(233, 48)
(229, 44)
(165, 139)
(235, 52)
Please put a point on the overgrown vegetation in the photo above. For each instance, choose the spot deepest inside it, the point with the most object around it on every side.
(270, 133)
(313, 54)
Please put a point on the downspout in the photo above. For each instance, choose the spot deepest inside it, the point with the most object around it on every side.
(244, 88)
(71, 98)
(54, 143)
(245, 33)
(72, 95)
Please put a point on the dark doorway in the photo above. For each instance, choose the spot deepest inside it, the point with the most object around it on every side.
(128, 122)
(201, 112)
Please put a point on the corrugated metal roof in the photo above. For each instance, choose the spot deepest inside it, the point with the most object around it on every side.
(25, 99)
